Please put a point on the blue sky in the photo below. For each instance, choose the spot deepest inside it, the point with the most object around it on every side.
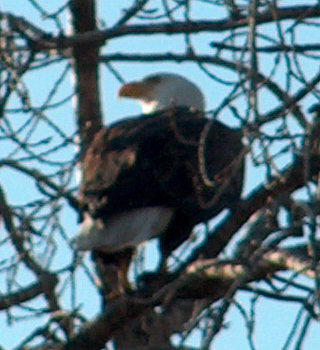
(274, 319)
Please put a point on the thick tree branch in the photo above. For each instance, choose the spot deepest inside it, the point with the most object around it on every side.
(94, 37)
(269, 49)
(95, 334)
(85, 60)
(28, 293)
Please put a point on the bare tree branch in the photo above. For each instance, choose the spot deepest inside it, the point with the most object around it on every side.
(92, 37)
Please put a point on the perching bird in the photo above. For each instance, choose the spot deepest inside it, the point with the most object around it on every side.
(157, 175)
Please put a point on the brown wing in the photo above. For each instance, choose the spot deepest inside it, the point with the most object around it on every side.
(175, 158)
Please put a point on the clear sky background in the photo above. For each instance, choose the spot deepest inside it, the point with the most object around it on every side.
(273, 319)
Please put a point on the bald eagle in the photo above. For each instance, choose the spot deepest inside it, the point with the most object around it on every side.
(159, 174)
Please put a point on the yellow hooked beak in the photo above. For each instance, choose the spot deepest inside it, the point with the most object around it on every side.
(134, 90)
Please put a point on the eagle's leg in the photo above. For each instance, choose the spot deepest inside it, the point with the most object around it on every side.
(112, 269)
(123, 267)
(178, 231)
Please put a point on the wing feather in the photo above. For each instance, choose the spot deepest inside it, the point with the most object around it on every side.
(156, 161)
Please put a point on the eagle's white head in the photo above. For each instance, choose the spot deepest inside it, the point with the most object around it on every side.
(162, 90)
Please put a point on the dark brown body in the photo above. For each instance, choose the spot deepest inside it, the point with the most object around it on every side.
(174, 158)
